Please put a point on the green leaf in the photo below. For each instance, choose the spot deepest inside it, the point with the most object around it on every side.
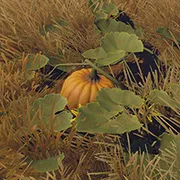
(101, 15)
(34, 62)
(66, 68)
(56, 63)
(48, 106)
(114, 47)
(111, 58)
(103, 9)
(175, 89)
(107, 115)
(95, 119)
(52, 26)
(62, 121)
(162, 98)
(95, 53)
(103, 58)
(110, 9)
(118, 41)
(111, 25)
(29, 75)
(107, 103)
(92, 5)
(164, 31)
(167, 139)
(115, 96)
(46, 165)
(139, 32)
(170, 154)
(50, 100)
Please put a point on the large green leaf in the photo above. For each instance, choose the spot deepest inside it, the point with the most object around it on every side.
(111, 58)
(162, 98)
(114, 47)
(33, 63)
(95, 119)
(111, 25)
(108, 114)
(118, 41)
(116, 97)
(103, 58)
(47, 107)
(46, 165)
(95, 53)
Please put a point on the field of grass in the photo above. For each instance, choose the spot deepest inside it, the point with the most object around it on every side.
(59, 32)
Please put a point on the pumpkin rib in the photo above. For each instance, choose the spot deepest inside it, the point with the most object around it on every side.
(89, 69)
(69, 93)
(77, 74)
(84, 97)
(105, 84)
(80, 76)
(67, 90)
(98, 86)
(85, 71)
(90, 91)
(77, 87)
(74, 77)
(76, 93)
(93, 92)
(105, 81)
(71, 80)
(66, 83)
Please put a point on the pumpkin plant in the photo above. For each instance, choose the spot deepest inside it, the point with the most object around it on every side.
(81, 87)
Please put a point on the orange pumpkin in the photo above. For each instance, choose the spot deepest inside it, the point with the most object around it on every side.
(82, 86)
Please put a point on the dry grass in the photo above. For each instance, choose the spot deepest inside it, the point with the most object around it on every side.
(100, 157)
(24, 21)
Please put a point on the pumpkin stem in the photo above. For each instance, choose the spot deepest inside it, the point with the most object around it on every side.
(121, 85)
(94, 75)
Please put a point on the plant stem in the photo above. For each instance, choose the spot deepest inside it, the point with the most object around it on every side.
(72, 64)
(105, 74)
(148, 50)
(94, 73)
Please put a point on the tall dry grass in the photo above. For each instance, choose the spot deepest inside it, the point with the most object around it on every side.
(21, 32)
(25, 23)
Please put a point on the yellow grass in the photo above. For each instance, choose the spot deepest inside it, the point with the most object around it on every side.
(22, 22)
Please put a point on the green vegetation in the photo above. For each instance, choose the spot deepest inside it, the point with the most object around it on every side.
(131, 131)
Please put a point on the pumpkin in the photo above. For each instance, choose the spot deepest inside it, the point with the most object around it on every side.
(82, 86)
